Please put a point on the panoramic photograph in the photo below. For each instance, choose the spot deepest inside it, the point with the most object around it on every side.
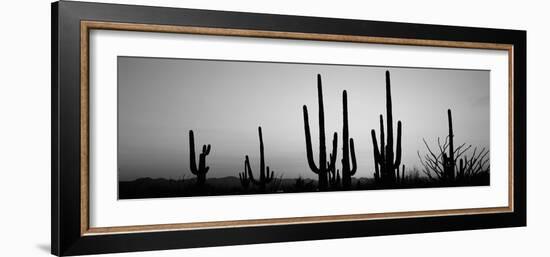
(190, 127)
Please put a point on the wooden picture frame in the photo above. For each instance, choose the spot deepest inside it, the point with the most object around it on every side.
(71, 26)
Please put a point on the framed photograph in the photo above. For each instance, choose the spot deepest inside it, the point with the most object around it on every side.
(178, 128)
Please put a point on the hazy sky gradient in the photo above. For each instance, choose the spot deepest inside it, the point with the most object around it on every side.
(224, 102)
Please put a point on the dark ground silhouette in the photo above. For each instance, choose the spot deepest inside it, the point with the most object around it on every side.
(159, 188)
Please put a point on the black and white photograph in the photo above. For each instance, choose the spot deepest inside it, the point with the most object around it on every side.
(274, 128)
(197, 127)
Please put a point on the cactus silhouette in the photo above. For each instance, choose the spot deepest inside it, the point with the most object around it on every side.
(443, 161)
(347, 148)
(385, 164)
(243, 177)
(449, 161)
(324, 166)
(334, 179)
(472, 165)
(376, 170)
(461, 169)
(265, 175)
(201, 171)
(400, 178)
(333, 174)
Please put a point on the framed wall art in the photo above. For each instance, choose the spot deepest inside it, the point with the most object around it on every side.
(177, 128)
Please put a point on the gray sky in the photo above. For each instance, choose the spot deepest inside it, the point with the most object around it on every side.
(224, 102)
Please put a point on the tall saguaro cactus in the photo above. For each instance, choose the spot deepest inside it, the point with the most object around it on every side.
(202, 169)
(265, 175)
(324, 166)
(385, 164)
(449, 161)
(347, 147)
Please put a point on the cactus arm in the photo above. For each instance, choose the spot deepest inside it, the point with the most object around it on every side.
(269, 175)
(309, 149)
(331, 164)
(461, 167)
(347, 146)
(376, 155)
(398, 146)
(397, 175)
(334, 153)
(249, 170)
(451, 145)
(376, 172)
(375, 147)
(330, 171)
(203, 169)
(205, 153)
(331, 174)
(322, 143)
(345, 135)
(245, 174)
(192, 162)
(389, 121)
(389, 117)
(451, 141)
(353, 160)
(243, 177)
(262, 160)
(382, 143)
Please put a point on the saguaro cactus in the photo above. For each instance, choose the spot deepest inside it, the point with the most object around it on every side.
(201, 171)
(243, 177)
(443, 162)
(462, 169)
(324, 166)
(385, 165)
(400, 178)
(334, 179)
(333, 174)
(449, 161)
(376, 169)
(265, 175)
(347, 148)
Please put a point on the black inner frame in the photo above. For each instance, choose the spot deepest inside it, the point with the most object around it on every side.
(65, 169)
